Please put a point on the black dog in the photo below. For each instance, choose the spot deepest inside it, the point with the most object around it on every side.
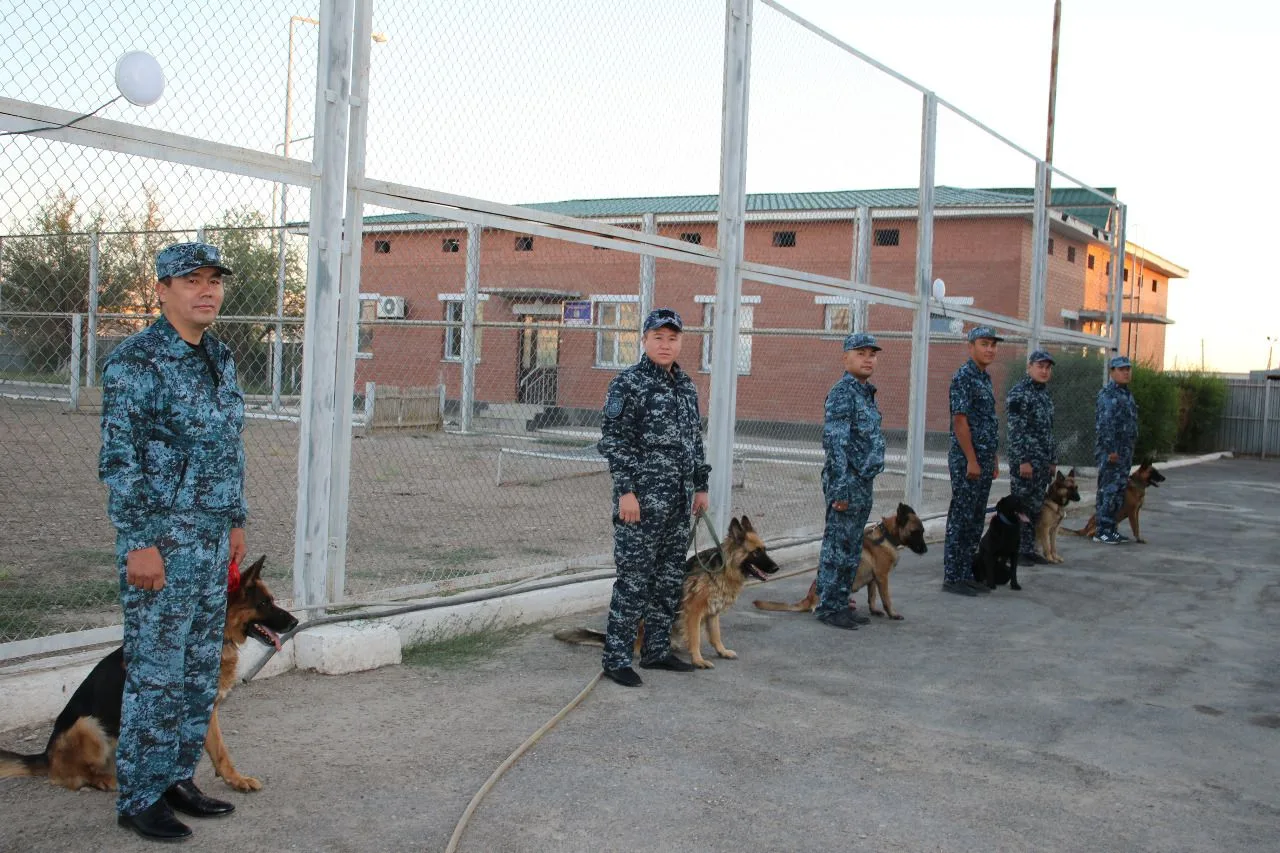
(997, 558)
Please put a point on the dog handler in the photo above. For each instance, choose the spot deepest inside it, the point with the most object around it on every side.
(1117, 431)
(972, 460)
(854, 446)
(173, 461)
(1033, 451)
(652, 438)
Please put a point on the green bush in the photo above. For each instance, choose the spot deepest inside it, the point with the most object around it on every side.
(1157, 395)
(1202, 398)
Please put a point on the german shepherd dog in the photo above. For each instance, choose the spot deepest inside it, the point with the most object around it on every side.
(1062, 491)
(882, 543)
(81, 750)
(997, 559)
(711, 585)
(1135, 495)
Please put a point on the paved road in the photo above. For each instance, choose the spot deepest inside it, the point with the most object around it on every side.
(1128, 700)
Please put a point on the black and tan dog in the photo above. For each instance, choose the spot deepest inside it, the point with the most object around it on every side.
(1135, 495)
(81, 750)
(882, 543)
(1062, 491)
(712, 584)
(997, 559)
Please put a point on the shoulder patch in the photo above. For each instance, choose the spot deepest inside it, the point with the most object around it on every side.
(613, 404)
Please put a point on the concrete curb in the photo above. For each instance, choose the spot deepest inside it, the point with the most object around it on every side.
(36, 691)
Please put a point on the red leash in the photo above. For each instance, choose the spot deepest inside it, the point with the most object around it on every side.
(233, 577)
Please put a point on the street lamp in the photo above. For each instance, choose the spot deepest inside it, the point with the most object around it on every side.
(278, 343)
(1271, 345)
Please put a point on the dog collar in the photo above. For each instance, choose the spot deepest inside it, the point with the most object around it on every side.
(1000, 515)
(886, 536)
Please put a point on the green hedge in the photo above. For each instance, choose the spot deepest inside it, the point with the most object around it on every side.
(1202, 398)
(1157, 396)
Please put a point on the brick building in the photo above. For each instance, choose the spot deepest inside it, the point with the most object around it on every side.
(982, 249)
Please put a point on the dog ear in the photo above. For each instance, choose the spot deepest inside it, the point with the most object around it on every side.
(746, 525)
(904, 515)
(736, 532)
(1071, 473)
(1059, 478)
(252, 573)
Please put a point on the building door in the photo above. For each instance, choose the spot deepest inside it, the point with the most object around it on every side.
(539, 361)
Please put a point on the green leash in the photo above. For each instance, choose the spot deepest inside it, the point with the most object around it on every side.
(705, 518)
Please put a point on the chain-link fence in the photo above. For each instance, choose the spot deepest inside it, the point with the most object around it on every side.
(482, 238)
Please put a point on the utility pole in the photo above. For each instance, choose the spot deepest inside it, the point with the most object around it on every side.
(1053, 80)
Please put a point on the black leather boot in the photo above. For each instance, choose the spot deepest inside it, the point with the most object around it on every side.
(185, 797)
(156, 823)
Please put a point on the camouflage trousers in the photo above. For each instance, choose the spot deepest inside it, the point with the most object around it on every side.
(1032, 491)
(172, 656)
(1112, 479)
(842, 550)
(965, 515)
(650, 557)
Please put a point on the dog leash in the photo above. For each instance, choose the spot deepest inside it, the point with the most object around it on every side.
(704, 565)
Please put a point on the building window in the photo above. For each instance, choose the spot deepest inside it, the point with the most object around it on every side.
(1051, 245)
(1071, 254)
(450, 244)
(1071, 324)
(453, 334)
(692, 237)
(1089, 264)
(1155, 286)
(382, 247)
(1108, 267)
(618, 348)
(1126, 275)
(886, 236)
(364, 331)
(524, 244)
(746, 320)
(784, 239)
(838, 318)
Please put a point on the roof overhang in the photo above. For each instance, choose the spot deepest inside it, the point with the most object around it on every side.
(1151, 260)
(1091, 315)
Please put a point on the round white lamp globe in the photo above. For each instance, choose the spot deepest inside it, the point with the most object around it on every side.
(939, 289)
(139, 78)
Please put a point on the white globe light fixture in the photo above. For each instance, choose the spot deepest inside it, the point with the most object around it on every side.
(939, 289)
(139, 78)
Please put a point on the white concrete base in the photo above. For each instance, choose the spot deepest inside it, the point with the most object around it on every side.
(347, 647)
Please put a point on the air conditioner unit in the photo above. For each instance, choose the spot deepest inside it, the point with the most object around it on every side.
(390, 307)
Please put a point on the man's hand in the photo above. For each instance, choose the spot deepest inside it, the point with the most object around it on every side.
(629, 508)
(972, 470)
(144, 568)
(700, 503)
(1053, 470)
(238, 547)
(1024, 470)
(1113, 458)
(840, 506)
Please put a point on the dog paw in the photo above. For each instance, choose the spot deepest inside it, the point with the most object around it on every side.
(1016, 587)
(897, 617)
(727, 654)
(877, 612)
(1141, 541)
(703, 663)
(244, 784)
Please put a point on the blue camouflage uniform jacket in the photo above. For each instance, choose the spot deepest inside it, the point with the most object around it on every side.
(973, 397)
(1117, 420)
(852, 439)
(1029, 415)
(652, 433)
(171, 433)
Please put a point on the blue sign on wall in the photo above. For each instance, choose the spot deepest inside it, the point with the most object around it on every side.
(577, 313)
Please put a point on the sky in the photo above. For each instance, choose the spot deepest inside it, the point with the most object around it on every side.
(538, 100)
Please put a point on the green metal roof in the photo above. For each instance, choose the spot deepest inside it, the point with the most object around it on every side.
(595, 208)
(1085, 205)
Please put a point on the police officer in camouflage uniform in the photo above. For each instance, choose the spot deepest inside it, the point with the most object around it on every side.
(972, 461)
(1033, 451)
(652, 438)
(173, 461)
(1117, 431)
(854, 448)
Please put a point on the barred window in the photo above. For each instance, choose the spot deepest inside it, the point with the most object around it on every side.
(618, 348)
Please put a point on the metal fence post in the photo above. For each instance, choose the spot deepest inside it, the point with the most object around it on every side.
(920, 327)
(861, 269)
(470, 299)
(1039, 255)
(1266, 412)
(1117, 279)
(648, 270)
(722, 407)
(91, 350)
(77, 332)
(320, 352)
(277, 343)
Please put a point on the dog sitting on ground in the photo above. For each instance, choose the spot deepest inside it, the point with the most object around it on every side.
(81, 750)
(882, 543)
(712, 583)
(1135, 495)
(1062, 490)
(997, 559)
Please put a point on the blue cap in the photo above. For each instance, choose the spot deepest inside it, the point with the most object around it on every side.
(1119, 361)
(1040, 355)
(660, 317)
(182, 258)
(979, 332)
(861, 340)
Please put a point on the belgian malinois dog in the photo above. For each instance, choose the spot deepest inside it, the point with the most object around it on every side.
(1062, 491)
(712, 584)
(82, 749)
(881, 544)
(1135, 495)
